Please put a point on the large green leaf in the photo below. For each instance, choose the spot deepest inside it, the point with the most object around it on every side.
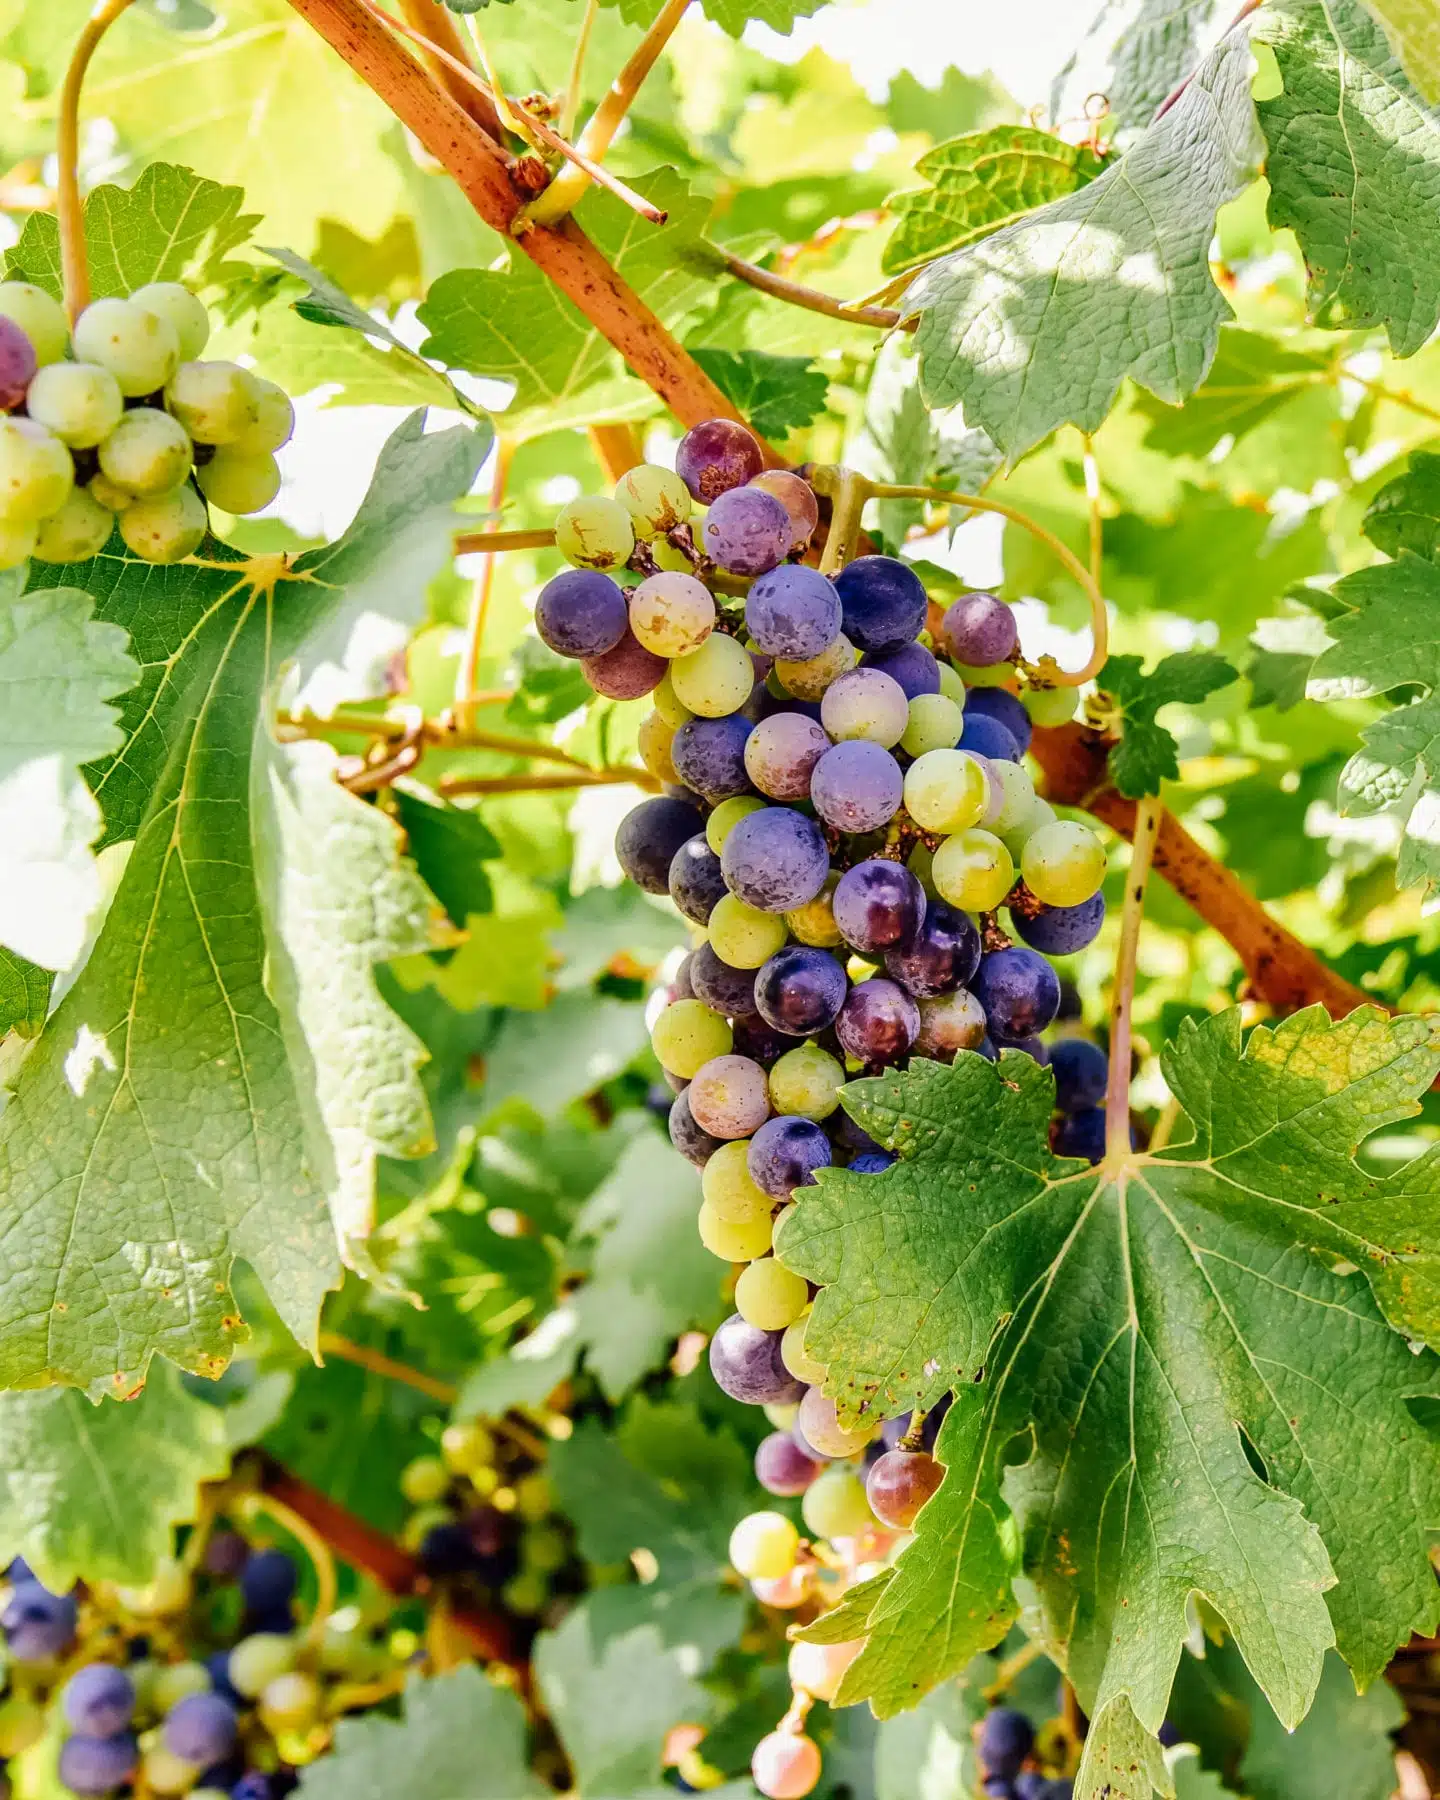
(24, 995)
(158, 1129)
(1136, 56)
(1121, 267)
(1354, 169)
(1132, 1345)
(1146, 754)
(1413, 27)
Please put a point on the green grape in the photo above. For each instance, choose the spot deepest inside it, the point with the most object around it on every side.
(22, 1723)
(526, 1594)
(946, 790)
(686, 1035)
(290, 1702)
(533, 1499)
(164, 1773)
(668, 707)
(730, 1189)
(467, 1446)
(656, 499)
(544, 1549)
(209, 1793)
(808, 680)
(185, 311)
(806, 1083)
(973, 870)
(274, 420)
(1013, 797)
(238, 483)
(732, 1242)
(17, 541)
(258, 1660)
(820, 1425)
(594, 533)
(81, 529)
(653, 740)
(921, 864)
(782, 1414)
(1050, 706)
(834, 1505)
(425, 1479)
(935, 723)
(818, 1668)
(141, 350)
(40, 317)
(36, 473)
(167, 528)
(727, 815)
(952, 686)
(714, 680)
(674, 561)
(216, 402)
(763, 1546)
(671, 614)
(1063, 863)
(1041, 813)
(794, 1355)
(147, 452)
(173, 1681)
(743, 936)
(814, 923)
(80, 402)
(996, 676)
(109, 494)
(167, 1591)
(770, 1296)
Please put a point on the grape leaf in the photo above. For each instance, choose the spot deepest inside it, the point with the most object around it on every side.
(94, 1492)
(173, 225)
(1135, 1330)
(777, 394)
(978, 183)
(1120, 1759)
(59, 667)
(433, 1749)
(1147, 753)
(1122, 266)
(24, 995)
(1400, 762)
(1354, 168)
(1412, 26)
(1136, 56)
(450, 846)
(732, 16)
(1342, 1746)
(121, 1230)
(1405, 514)
(1252, 378)
(564, 1053)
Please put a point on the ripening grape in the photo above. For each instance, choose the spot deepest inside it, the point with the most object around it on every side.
(17, 541)
(794, 612)
(686, 1035)
(785, 1765)
(805, 1083)
(39, 316)
(141, 350)
(781, 754)
(1012, 797)
(835, 1506)
(715, 456)
(1061, 930)
(653, 741)
(164, 1773)
(36, 473)
(174, 302)
(878, 906)
(167, 528)
(727, 815)
(671, 614)
(147, 453)
(980, 631)
(899, 1484)
(81, 529)
(800, 990)
(879, 1021)
(171, 1682)
(734, 1240)
(776, 859)
(467, 1446)
(933, 722)
(238, 482)
(763, 1546)
(1019, 991)
(709, 755)
(785, 1592)
(18, 364)
(594, 533)
(797, 497)
(782, 1468)
(884, 603)
(867, 704)
(744, 936)
(258, 1660)
(97, 1765)
(729, 1096)
(723, 988)
(1063, 863)
(746, 1362)
(201, 1728)
(943, 956)
(668, 707)
(857, 786)
(808, 678)
(1050, 706)
(947, 790)
(656, 500)
(1003, 707)
(796, 1357)
(821, 1429)
(770, 1295)
(785, 1153)
(973, 870)
(289, 1702)
(80, 402)
(714, 679)
(98, 1699)
(729, 1187)
(628, 671)
(817, 1668)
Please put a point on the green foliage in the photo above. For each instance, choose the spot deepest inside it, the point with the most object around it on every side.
(1158, 44)
(777, 394)
(1413, 29)
(1146, 753)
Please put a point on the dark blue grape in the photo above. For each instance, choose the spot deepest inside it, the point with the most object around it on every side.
(1031, 1785)
(18, 1570)
(784, 1155)
(649, 836)
(800, 990)
(1004, 709)
(1006, 1738)
(872, 1162)
(693, 1142)
(38, 1625)
(883, 603)
(944, 955)
(1081, 1070)
(857, 786)
(709, 756)
(985, 737)
(878, 905)
(999, 1787)
(447, 1549)
(1060, 930)
(254, 1785)
(879, 1021)
(201, 1728)
(1033, 1047)
(1169, 1735)
(747, 531)
(728, 991)
(696, 882)
(680, 984)
(98, 1700)
(762, 1043)
(849, 1136)
(987, 1049)
(1083, 1134)
(914, 667)
(1019, 991)
(775, 859)
(219, 1666)
(98, 1765)
(1071, 1005)
(745, 1362)
(581, 612)
(794, 612)
(268, 1580)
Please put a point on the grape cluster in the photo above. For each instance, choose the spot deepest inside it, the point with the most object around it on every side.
(845, 810)
(1006, 1742)
(124, 421)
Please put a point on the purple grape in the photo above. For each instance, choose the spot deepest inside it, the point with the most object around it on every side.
(987, 1049)
(872, 1162)
(883, 603)
(850, 1136)
(770, 704)
(914, 667)
(784, 1155)
(759, 1041)
(879, 1021)
(857, 786)
(269, 1578)
(255, 1785)
(18, 363)
(694, 1144)
(715, 456)
(980, 630)
(709, 756)
(1019, 991)
(1033, 1047)
(745, 1362)
(1004, 709)
(649, 836)
(201, 1728)
(878, 905)
(893, 1430)
(988, 738)
(1083, 1134)
(695, 879)
(628, 672)
(218, 1664)
(800, 990)
(1169, 1735)
(227, 1552)
(1071, 1005)
(728, 991)
(729, 1097)
(1081, 1071)
(794, 612)
(999, 1787)
(38, 1625)
(775, 859)
(782, 1467)
(781, 754)
(747, 532)
(581, 613)
(681, 986)
(99, 1700)
(98, 1765)
(1006, 1738)
(944, 956)
(1061, 930)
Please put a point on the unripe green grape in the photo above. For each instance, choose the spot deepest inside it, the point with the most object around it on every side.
(1063, 864)
(742, 935)
(805, 1083)
(420, 1524)
(274, 419)
(544, 1549)
(17, 541)
(39, 316)
(209, 1793)
(946, 790)
(727, 815)
(951, 684)
(216, 402)
(174, 1681)
(935, 723)
(808, 680)
(594, 533)
(782, 1414)
(817, 1668)
(526, 1594)
(1050, 706)
(671, 614)
(140, 349)
(995, 676)
(770, 1296)
(814, 923)
(81, 529)
(239, 483)
(820, 1426)
(1012, 797)
(834, 1505)
(167, 528)
(289, 1702)
(973, 870)
(668, 707)
(729, 1187)
(714, 680)
(656, 499)
(185, 311)
(796, 1357)
(80, 402)
(763, 1546)
(921, 864)
(686, 1035)
(36, 473)
(424, 1479)
(668, 557)
(147, 452)
(733, 1242)
(1015, 840)
(467, 1445)
(22, 1723)
(533, 1497)
(109, 494)
(258, 1660)
(653, 740)
(167, 1591)
(164, 1773)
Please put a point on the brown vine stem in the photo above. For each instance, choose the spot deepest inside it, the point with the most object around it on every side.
(435, 23)
(794, 293)
(1117, 1092)
(544, 784)
(847, 493)
(69, 208)
(617, 449)
(467, 676)
(332, 1344)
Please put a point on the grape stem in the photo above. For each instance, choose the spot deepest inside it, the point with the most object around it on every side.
(794, 293)
(69, 208)
(847, 493)
(326, 1586)
(570, 108)
(547, 784)
(332, 1344)
(467, 675)
(436, 23)
(617, 449)
(1117, 1090)
(494, 543)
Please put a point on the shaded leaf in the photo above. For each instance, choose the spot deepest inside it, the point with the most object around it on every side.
(777, 394)
(1146, 753)
(1137, 55)
(1414, 29)
(450, 845)
(24, 995)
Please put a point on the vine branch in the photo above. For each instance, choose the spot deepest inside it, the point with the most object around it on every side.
(1117, 1089)
(794, 293)
(435, 23)
(69, 208)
